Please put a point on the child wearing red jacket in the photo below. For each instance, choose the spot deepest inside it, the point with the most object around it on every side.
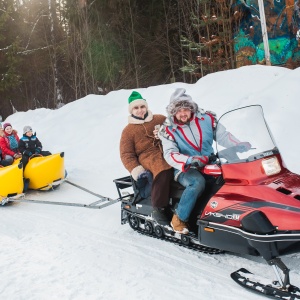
(9, 144)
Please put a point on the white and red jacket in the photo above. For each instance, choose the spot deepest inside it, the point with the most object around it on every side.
(193, 139)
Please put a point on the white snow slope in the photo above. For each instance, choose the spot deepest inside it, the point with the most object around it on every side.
(60, 252)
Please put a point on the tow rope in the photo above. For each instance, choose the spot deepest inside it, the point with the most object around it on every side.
(99, 204)
(92, 205)
(86, 190)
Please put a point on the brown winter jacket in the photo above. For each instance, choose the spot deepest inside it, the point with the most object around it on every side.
(138, 147)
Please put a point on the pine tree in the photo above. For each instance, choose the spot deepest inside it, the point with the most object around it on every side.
(210, 40)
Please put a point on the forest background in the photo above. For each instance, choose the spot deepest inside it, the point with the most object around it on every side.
(53, 52)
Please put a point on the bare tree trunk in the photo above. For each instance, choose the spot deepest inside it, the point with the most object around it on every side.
(168, 43)
(56, 90)
(133, 46)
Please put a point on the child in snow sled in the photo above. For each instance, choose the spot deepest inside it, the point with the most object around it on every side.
(3, 162)
(30, 146)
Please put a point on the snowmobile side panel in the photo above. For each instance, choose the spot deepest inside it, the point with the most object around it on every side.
(231, 204)
(257, 222)
(225, 240)
(237, 240)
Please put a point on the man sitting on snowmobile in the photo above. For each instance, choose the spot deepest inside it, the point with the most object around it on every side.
(141, 154)
(187, 136)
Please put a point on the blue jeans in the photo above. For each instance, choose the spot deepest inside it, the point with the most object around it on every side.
(194, 184)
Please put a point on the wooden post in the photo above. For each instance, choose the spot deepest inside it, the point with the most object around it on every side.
(264, 31)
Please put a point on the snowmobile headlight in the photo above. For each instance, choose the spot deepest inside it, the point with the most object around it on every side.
(271, 166)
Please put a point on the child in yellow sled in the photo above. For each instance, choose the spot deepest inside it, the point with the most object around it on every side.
(29, 145)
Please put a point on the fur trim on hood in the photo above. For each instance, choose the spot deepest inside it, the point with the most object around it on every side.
(179, 99)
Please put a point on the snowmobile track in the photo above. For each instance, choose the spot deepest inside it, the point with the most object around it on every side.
(198, 248)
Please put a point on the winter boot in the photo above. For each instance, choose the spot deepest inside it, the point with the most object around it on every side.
(178, 225)
(159, 216)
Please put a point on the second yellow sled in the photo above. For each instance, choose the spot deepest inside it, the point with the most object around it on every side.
(45, 172)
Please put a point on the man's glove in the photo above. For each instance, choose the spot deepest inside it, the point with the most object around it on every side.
(135, 173)
(37, 151)
(197, 161)
(212, 158)
(243, 146)
(144, 174)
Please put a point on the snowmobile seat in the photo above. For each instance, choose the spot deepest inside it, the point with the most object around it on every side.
(176, 191)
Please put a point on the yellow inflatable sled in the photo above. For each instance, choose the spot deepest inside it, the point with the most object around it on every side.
(11, 182)
(45, 172)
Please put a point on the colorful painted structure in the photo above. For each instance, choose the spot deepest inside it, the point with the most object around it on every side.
(283, 24)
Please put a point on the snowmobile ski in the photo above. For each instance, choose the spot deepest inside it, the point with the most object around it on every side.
(260, 285)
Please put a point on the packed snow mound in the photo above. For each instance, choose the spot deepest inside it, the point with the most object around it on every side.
(59, 252)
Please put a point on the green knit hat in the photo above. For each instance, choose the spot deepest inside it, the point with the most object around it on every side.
(136, 99)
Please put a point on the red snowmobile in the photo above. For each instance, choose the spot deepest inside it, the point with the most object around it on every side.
(251, 205)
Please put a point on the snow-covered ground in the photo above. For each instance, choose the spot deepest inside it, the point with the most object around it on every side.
(62, 252)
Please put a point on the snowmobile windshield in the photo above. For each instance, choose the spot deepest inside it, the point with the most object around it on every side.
(247, 125)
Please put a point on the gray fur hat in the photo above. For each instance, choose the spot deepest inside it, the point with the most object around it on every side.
(179, 99)
(26, 129)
